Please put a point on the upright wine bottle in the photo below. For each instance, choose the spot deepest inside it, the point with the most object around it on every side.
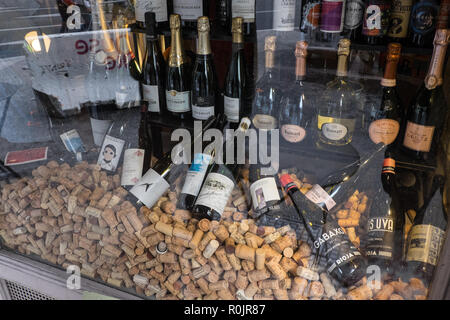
(336, 115)
(331, 20)
(399, 20)
(178, 84)
(422, 24)
(376, 21)
(235, 88)
(344, 261)
(223, 15)
(154, 70)
(385, 123)
(354, 13)
(157, 180)
(297, 105)
(424, 120)
(159, 7)
(284, 15)
(310, 17)
(268, 93)
(246, 10)
(219, 183)
(204, 79)
(190, 11)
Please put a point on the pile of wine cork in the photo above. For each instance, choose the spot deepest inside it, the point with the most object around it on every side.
(81, 216)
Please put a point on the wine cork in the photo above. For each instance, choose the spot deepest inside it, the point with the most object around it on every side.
(182, 233)
(230, 246)
(289, 265)
(212, 277)
(298, 288)
(251, 290)
(222, 257)
(241, 280)
(385, 292)
(360, 293)
(234, 261)
(269, 284)
(281, 294)
(303, 251)
(221, 233)
(210, 249)
(167, 229)
(271, 253)
(204, 286)
(276, 269)
(281, 243)
(205, 240)
(248, 265)
(219, 285)
(258, 275)
(204, 225)
(230, 276)
(196, 238)
(288, 252)
(260, 257)
(245, 252)
(316, 289)
(253, 240)
(243, 227)
(225, 294)
(330, 291)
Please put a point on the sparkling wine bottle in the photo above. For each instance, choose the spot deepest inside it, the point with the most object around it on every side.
(399, 20)
(159, 7)
(284, 15)
(245, 9)
(190, 11)
(331, 20)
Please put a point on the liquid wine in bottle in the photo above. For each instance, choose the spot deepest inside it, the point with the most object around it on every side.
(422, 24)
(376, 21)
(245, 9)
(190, 11)
(331, 20)
(399, 20)
(159, 7)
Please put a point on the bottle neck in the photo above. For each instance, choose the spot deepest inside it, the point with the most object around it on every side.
(300, 69)
(177, 57)
(270, 60)
(203, 44)
(390, 74)
(238, 38)
(341, 70)
(434, 75)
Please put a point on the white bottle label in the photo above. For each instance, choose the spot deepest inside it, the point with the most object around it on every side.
(263, 191)
(178, 101)
(231, 108)
(99, 128)
(317, 195)
(284, 15)
(110, 153)
(150, 188)
(196, 174)
(188, 9)
(121, 98)
(202, 113)
(72, 141)
(151, 95)
(159, 7)
(133, 162)
(264, 122)
(244, 9)
(334, 131)
(215, 192)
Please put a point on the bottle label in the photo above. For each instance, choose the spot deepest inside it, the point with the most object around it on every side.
(423, 17)
(263, 191)
(196, 174)
(231, 108)
(376, 19)
(72, 141)
(284, 15)
(264, 122)
(380, 237)
(334, 131)
(99, 128)
(133, 162)
(317, 195)
(354, 11)
(150, 188)
(293, 133)
(418, 137)
(151, 95)
(244, 9)
(203, 112)
(110, 153)
(215, 192)
(425, 243)
(159, 7)
(388, 166)
(188, 9)
(178, 101)
(121, 98)
(399, 19)
(331, 19)
(310, 15)
(384, 130)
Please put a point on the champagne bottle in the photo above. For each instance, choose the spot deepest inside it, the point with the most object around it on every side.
(159, 7)
(344, 261)
(424, 120)
(219, 183)
(157, 180)
(354, 13)
(422, 24)
(204, 79)
(154, 70)
(284, 15)
(245, 9)
(235, 88)
(336, 115)
(385, 123)
(268, 94)
(331, 20)
(297, 107)
(178, 84)
(376, 21)
(399, 20)
(310, 17)
(190, 11)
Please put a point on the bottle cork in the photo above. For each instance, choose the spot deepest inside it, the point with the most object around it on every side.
(269, 284)
(251, 290)
(204, 225)
(167, 229)
(234, 261)
(205, 240)
(204, 286)
(360, 293)
(289, 265)
(253, 240)
(182, 233)
(276, 269)
(212, 277)
(225, 294)
(196, 238)
(385, 292)
(281, 243)
(243, 227)
(219, 285)
(258, 275)
(248, 265)
(271, 253)
(281, 294)
(288, 252)
(230, 246)
(241, 280)
(222, 257)
(245, 252)
(260, 257)
(210, 249)
(221, 233)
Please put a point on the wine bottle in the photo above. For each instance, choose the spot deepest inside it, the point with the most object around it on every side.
(157, 180)
(219, 184)
(204, 79)
(424, 120)
(268, 93)
(310, 17)
(200, 167)
(376, 21)
(246, 10)
(331, 20)
(190, 11)
(297, 107)
(444, 12)
(235, 88)
(223, 15)
(178, 84)
(159, 7)
(385, 123)
(422, 24)
(284, 15)
(399, 20)
(154, 70)
(344, 261)
(336, 115)
(354, 13)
